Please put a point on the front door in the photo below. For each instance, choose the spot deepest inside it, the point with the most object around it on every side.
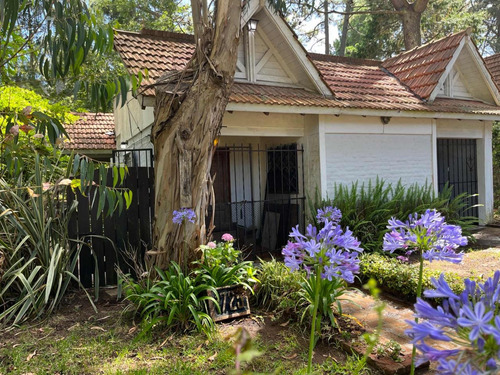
(457, 166)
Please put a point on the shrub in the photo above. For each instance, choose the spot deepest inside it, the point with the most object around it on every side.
(401, 278)
(39, 260)
(222, 263)
(176, 300)
(278, 288)
(366, 209)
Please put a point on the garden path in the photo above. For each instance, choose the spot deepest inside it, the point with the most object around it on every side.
(397, 312)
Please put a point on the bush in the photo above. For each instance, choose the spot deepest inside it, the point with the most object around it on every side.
(179, 301)
(223, 266)
(367, 208)
(401, 279)
(39, 261)
(278, 288)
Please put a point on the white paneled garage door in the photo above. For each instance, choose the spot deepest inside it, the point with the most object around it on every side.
(352, 157)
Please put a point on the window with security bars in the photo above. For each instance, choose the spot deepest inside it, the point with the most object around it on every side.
(282, 170)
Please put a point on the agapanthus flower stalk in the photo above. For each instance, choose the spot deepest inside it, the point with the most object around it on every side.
(430, 237)
(470, 319)
(328, 252)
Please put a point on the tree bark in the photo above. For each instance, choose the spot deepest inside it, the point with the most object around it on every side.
(345, 27)
(411, 16)
(327, 27)
(185, 127)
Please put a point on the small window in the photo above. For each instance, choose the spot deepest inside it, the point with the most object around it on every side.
(282, 170)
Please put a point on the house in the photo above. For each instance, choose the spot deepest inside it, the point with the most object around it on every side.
(299, 121)
(93, 135)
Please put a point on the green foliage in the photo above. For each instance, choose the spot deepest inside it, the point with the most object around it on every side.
(278, 289)
(46, 44)
(379, 35)
(40, 260)
(222, 263)
(401, 278)
(133, 15)
(219, 253)
(292, 294)
(330, 293)
(176, 300)
(367, 208)
(496, 163)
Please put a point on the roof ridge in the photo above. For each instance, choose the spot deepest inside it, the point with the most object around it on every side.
(431, 42)
(344, 59)
(167, 35)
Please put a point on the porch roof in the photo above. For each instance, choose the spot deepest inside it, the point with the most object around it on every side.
(400, 83)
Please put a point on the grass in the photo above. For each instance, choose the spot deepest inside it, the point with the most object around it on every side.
(78, 341)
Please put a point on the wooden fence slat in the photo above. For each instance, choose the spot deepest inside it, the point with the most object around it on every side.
(97, 243)
(134, 240)
(145, 206)
(127, 231)
(109, 251)
(86, 263)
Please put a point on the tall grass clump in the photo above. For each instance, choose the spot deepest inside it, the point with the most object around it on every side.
(39, 261)
(366, 208)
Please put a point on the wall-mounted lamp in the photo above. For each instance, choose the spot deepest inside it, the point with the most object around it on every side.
(385, 119)
(123, 145)
(252, 25)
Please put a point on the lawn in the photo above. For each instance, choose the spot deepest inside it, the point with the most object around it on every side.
(76, 340)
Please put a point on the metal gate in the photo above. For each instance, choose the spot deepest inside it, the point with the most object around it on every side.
(457, 166)
(259, 195)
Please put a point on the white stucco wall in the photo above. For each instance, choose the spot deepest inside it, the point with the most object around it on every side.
(356, 148)
(361, 149)
(132, 123)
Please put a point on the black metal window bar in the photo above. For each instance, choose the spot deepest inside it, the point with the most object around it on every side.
(457, 167)
(259, 195)
(141, 157)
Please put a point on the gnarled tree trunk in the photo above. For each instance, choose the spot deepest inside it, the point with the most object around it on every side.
(187, 121)
(411, 15)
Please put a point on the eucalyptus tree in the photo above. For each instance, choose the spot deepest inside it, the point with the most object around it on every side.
(189, 108)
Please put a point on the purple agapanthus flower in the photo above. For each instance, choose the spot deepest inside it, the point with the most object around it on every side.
(471, 319)
(184, 214)
(428, 234)
(332, 214)
(331, 250)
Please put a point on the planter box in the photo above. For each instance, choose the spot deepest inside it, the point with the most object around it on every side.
(233, 301)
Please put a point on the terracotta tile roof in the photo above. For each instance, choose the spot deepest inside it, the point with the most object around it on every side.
(364, 82)
(422, 67)
(493, 65)
(156, 51)
(92, 131)
(356, 83)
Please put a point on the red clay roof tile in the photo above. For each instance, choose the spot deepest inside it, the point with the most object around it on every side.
(92, 131)
(396, 84)
(493, 65)
(422, 67)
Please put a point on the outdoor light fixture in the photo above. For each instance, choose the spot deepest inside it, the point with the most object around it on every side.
(385, 119)
(252, 25)
(123, 145)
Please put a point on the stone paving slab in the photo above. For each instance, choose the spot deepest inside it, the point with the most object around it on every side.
(361, 306)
